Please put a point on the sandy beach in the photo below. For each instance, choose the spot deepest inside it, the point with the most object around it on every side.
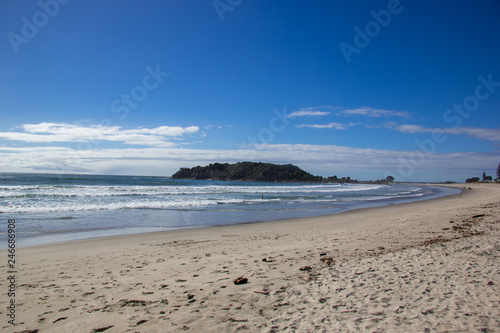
(429, 266)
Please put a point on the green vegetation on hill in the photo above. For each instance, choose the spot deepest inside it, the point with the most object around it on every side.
(264, 172)
(248, 171)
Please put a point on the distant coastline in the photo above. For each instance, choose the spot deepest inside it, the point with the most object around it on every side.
(263, 172)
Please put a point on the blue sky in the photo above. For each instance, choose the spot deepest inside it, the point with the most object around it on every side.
(361, 89)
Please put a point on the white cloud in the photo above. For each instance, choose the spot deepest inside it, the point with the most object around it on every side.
(314, 111)
(334, 125)
(209, 127)
(373, 113)
(323, 159)
(61, 132)
(362, 111)
(409, 128)
(304, 113)
(475, 132)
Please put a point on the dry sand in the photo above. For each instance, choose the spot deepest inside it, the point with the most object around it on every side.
(426, 266)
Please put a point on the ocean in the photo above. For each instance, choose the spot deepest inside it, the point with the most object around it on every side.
(52, 208)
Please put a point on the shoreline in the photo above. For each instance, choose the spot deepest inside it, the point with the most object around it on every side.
(253, 226)
(298, 274)
(123, 232)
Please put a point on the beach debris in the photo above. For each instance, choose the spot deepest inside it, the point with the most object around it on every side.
(282, 304)
(327, 260)
(479, 215)
(233, 320)
(101, 329)
(141, 322)
(59, 319)
(281, 290)
(132, 302)
(261, 292)
(240, 280)
(268, 260)
(491, 283)
(322, 254)
(435, 240)
(306, 268)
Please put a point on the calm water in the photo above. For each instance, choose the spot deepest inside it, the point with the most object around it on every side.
(50, 208)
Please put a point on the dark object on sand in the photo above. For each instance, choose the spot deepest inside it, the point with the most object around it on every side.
(240, 280)
(100, 329)
(306, 268)
(327, 260)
